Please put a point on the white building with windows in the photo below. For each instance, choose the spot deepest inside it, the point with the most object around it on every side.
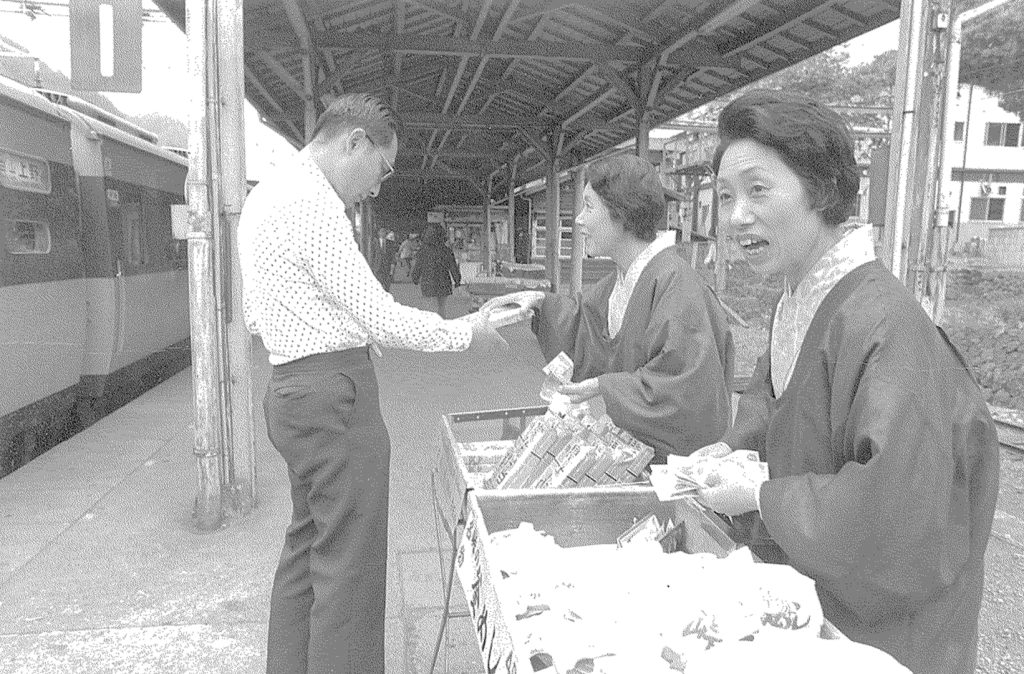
(986, 182)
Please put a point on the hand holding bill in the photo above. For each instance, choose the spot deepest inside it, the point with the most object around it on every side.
(732, 486)
(527, 299)
(578, 392)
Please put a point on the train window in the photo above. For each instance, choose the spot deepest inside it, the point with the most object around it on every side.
(134, 243)
(25, 237)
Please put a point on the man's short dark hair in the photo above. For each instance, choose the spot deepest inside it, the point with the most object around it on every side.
(362, 111)
(813, 141)
(630, 189)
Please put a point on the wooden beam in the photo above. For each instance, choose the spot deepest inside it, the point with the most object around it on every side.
(589, 104)
(434, 174)
(536, 141)
(441, 121)
(282, 74)
(502, 25)
(425, 44)
(624, 87)
(434, 44)
(444, 9)
(335, 78)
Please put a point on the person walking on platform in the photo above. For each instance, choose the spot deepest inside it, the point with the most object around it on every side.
(406, 254)
(382, 256)
(435, 269)
(311, 296)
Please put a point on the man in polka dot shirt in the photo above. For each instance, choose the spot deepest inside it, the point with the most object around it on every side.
(312, 297)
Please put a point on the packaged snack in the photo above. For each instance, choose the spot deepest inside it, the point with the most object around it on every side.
(558, 371)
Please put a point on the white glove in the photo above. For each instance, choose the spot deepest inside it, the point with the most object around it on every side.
(732, 487)
(716, 451)
(528, 299)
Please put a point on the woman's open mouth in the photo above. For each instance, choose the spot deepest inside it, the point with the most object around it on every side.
(752, 245)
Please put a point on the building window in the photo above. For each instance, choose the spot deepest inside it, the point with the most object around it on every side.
(958, 131)
(986, 208)
(1006, 135)
(27, 238)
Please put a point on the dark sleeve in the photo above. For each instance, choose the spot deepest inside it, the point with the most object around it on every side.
(558, 323)
(677, 400)
(748, 429)
(890, 529)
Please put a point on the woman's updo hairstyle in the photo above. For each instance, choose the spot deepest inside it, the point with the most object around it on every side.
(813, 141)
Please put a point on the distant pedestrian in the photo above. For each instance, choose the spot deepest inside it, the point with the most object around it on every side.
(312, 297)
(382, 257)
(435, 269)
(406, 254)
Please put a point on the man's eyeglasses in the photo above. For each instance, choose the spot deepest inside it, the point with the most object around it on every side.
(390, 169)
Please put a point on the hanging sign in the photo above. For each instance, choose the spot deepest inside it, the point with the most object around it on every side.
(25, 173)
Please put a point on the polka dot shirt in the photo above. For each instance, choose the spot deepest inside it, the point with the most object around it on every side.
(306, 286)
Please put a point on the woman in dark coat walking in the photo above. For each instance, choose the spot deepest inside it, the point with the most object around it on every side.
(435, 269)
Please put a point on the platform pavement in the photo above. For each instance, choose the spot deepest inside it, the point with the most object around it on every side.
(102, 570)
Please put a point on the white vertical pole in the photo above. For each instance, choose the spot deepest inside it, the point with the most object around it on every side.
(240, 464)
(903, 133)
(208, 447)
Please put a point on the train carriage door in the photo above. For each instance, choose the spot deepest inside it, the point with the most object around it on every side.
(124, 217)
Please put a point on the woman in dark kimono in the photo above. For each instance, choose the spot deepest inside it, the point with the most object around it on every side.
(435, 269)
(650, 339)
(883, 458)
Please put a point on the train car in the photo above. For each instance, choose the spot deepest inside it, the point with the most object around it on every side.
(93, 287)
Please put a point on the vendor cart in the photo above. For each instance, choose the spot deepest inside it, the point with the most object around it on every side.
(465, 514)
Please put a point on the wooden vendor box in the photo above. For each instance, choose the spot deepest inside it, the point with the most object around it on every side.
(573, 517)
(467, 514)
(472, 445)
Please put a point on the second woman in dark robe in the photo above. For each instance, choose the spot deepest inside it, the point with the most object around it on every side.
(651, 339)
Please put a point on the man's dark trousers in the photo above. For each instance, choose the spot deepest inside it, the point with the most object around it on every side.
(327, 605)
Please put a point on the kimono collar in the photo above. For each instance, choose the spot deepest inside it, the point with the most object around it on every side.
(797, 307)
(625, 283)
(851, 251)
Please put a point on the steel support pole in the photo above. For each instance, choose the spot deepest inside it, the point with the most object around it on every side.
(940, 253)
(205, 338)
(928, 183)
(904, 132)
(721, 243)
(579, 242)
(643, 136)
(240, 454)
(553, 228)
(485, 245)
(511, 232)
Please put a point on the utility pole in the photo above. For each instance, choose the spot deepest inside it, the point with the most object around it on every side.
(221, 346)
(579, 243)
(938, 255)
(904, 201)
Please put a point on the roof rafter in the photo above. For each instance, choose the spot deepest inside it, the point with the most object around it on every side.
(453, 46)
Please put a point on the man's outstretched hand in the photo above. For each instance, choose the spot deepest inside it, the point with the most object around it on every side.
(486, 340)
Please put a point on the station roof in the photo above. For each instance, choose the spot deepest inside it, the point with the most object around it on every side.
(481, 85)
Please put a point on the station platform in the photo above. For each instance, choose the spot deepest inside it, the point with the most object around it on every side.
(102, 569)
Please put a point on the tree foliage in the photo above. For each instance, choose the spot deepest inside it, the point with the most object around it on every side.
(992, 53)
